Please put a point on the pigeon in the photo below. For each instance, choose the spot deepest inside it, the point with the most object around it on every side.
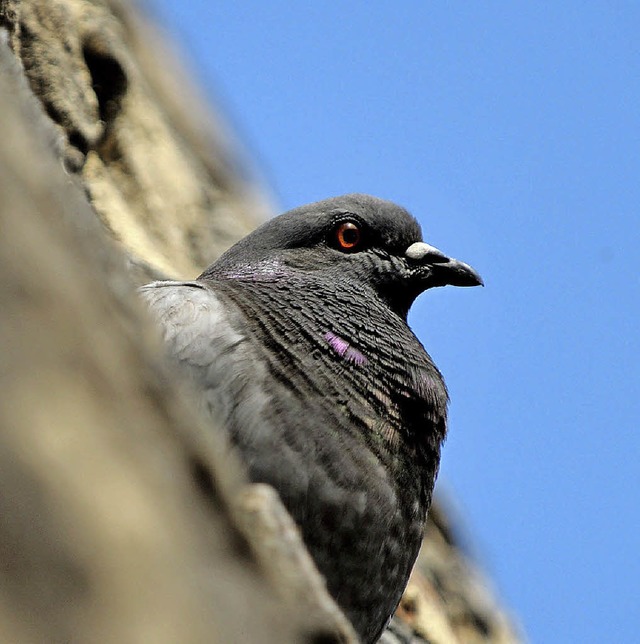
(297, 342)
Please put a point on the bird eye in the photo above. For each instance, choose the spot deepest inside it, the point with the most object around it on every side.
(348, 236)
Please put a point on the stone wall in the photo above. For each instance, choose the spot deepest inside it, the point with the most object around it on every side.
(119, 518)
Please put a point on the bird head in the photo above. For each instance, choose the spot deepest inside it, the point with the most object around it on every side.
(355, 238)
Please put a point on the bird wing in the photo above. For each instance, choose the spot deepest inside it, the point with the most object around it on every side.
(202, 339)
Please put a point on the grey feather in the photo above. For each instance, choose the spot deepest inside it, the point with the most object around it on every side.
(218, 358)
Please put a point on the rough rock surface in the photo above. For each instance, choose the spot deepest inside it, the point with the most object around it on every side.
(120, 519)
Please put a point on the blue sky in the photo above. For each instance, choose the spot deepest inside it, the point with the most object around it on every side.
(512, 131)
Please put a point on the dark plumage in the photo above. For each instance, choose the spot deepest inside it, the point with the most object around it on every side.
(298, 342)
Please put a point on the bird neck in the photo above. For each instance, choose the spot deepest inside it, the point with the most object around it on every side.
(339, 346)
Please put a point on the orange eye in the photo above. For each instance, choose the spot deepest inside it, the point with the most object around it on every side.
(348, 235)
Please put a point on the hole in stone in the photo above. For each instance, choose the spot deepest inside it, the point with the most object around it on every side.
(78, 141)
(204, 480)
(108, 79)
(324, 638)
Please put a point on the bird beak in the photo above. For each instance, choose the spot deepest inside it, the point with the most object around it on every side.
(439, 270)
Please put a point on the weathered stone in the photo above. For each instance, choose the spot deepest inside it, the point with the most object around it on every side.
(122, 517)
(119, 520)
